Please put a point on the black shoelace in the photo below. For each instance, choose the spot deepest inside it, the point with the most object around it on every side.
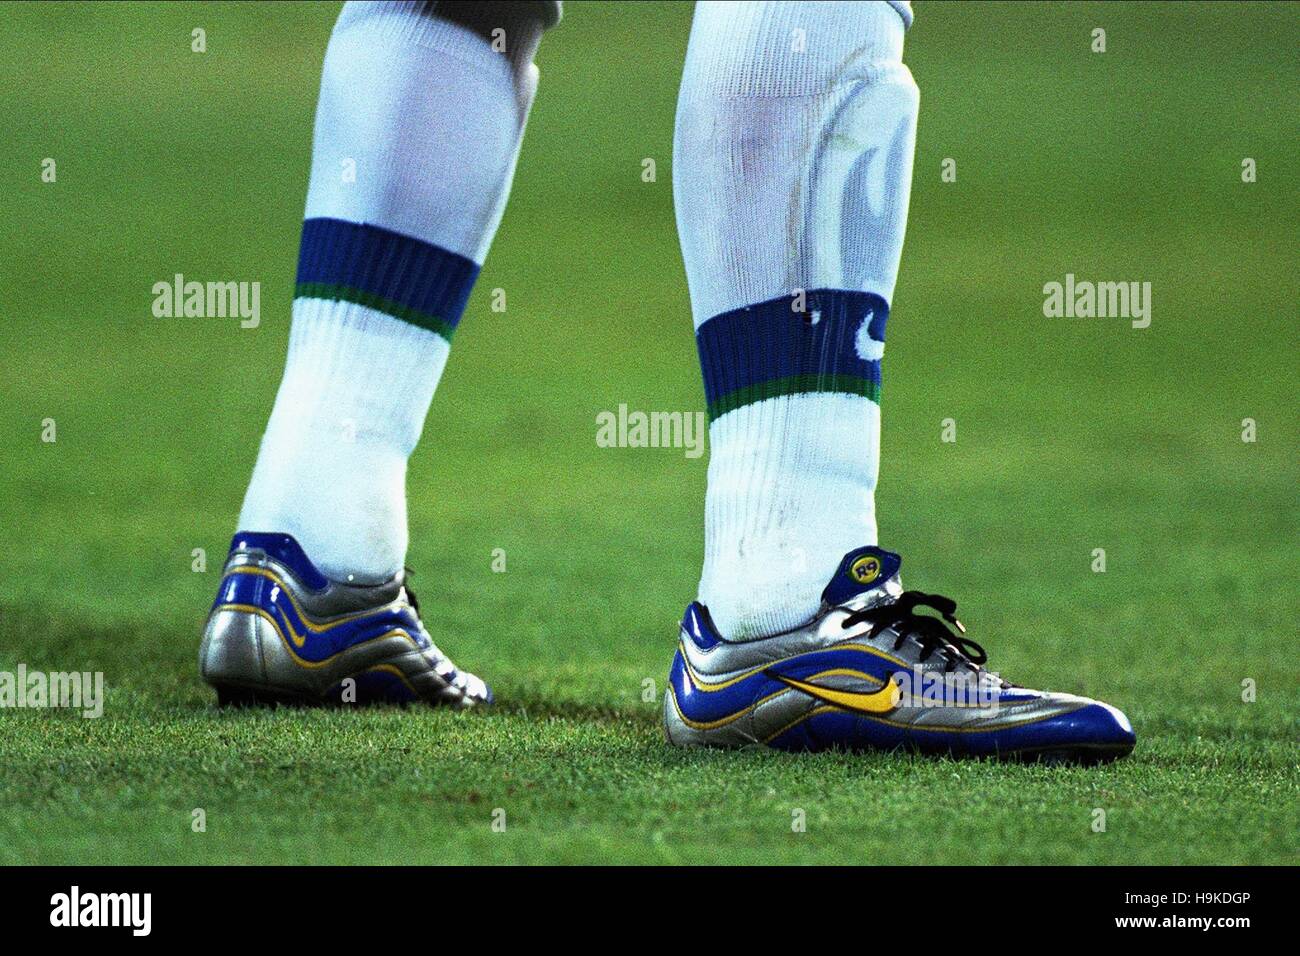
(931, 632)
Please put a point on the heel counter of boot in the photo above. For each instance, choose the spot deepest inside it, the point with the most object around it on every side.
(231, 649)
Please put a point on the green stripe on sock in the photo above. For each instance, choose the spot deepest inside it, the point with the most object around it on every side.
(795, 385)
(343, 293)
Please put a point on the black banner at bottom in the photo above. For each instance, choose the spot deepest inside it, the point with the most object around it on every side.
(258, 905)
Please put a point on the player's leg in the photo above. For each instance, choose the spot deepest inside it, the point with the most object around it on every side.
(792, 167)
(421, 113)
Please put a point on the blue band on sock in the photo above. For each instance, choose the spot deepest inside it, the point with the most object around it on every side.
(769, 349)
(406, 278)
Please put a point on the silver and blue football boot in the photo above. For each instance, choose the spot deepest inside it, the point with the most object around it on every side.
(281, 632)
(872, 672)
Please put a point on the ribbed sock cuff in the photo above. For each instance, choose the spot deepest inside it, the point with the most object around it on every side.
(824, 340)
(406, 278)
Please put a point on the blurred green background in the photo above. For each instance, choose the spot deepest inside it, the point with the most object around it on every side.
(1072, 435)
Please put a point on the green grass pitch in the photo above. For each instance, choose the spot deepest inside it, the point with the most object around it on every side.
(1072, 435)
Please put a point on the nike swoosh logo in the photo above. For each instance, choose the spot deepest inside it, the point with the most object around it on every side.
(871, 702)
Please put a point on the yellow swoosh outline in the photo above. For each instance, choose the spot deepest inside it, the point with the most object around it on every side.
(731, 718)
(880, 701)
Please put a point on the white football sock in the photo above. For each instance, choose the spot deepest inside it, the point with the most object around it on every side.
(791, 168)
(418, 129)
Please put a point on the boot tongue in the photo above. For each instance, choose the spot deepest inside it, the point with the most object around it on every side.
(862, 570)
